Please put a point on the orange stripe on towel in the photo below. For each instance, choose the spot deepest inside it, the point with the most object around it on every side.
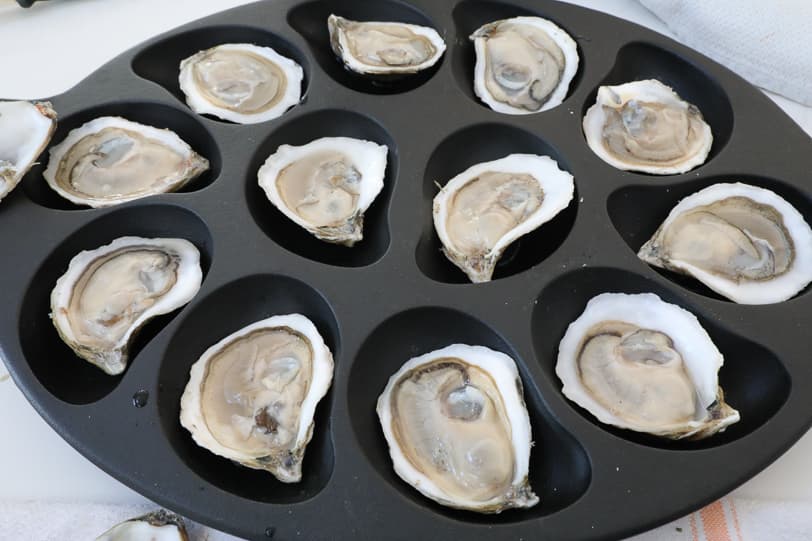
(694, 531)
(735, 519)
(714, 522)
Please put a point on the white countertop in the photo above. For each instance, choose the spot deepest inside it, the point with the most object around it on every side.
(49, 48)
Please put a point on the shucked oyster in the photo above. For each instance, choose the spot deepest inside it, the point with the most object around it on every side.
(252, 395)
(25, 130)
(111, 160)
(523, 65)
(458, 429)
(384, 48)
(326, 185)
(107, 294)
(645, 126)
(639, 363)
(744, 242)
(157, 526)
(481, 211)
(241, 82)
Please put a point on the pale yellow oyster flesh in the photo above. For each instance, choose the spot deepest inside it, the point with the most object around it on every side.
(744, 242)
(373, 47)
(458, 429)
(252, 396)
(108, 294)
(25, 130)
(111, 160)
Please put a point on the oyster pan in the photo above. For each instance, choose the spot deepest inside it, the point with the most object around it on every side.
(639, 363)
(326, 185)
(241, 82)
(251, 397)
(645, 126)
(458, 430)
(384, 48)
(482, 210)
(524, 65)
(744, 242)
(109, 293)
(111, 160)
(25, 130)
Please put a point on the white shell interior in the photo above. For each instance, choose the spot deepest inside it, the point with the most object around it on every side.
(701, 357)
(199, 104)
(189, 277)
(571, 59)
(368, 158)
(649, 90)
(191, 414)
(25, 130)
(337, 35)
(505, 375)
(776, 289)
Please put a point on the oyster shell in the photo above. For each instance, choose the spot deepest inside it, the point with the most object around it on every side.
(744, 242)
(157, 526)
(458, 429)
(645, 126)
(326, 185)
(107, 294)
(481, 211)
(251, 396)
(241, 82)
(523, 65)
(25, 130)
(636, 362)
(111, 160)
(384, 48)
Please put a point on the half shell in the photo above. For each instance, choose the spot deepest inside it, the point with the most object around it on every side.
(744, 242)
(25, 130)
(109, 293)
(481, 211)
(458, 429)
(157, 526)
(241, 82)
(111, 160)
(645, 126)
(326, 185)
(636, 362)
(251, 396)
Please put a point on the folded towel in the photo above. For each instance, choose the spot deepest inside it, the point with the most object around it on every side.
(767, 43)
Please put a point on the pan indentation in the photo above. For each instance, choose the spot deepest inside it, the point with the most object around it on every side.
(64, 374)
(222, 312)
(559, 468)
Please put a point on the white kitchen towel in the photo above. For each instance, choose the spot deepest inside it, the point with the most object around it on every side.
(767, 42)
(729, 519)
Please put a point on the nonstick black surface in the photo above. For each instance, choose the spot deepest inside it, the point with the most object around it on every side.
(394, 295)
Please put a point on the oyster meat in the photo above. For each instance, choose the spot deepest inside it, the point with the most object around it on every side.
(241, 82)
(744, 242)
(458, 429)
(111, 160)
(157, 526)
(481, 211)
(384, 48)
(25, 130)
(326, 185)
(639, 363)
(109, 293)
(251, 396)
(523, 65)
(645, 126)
